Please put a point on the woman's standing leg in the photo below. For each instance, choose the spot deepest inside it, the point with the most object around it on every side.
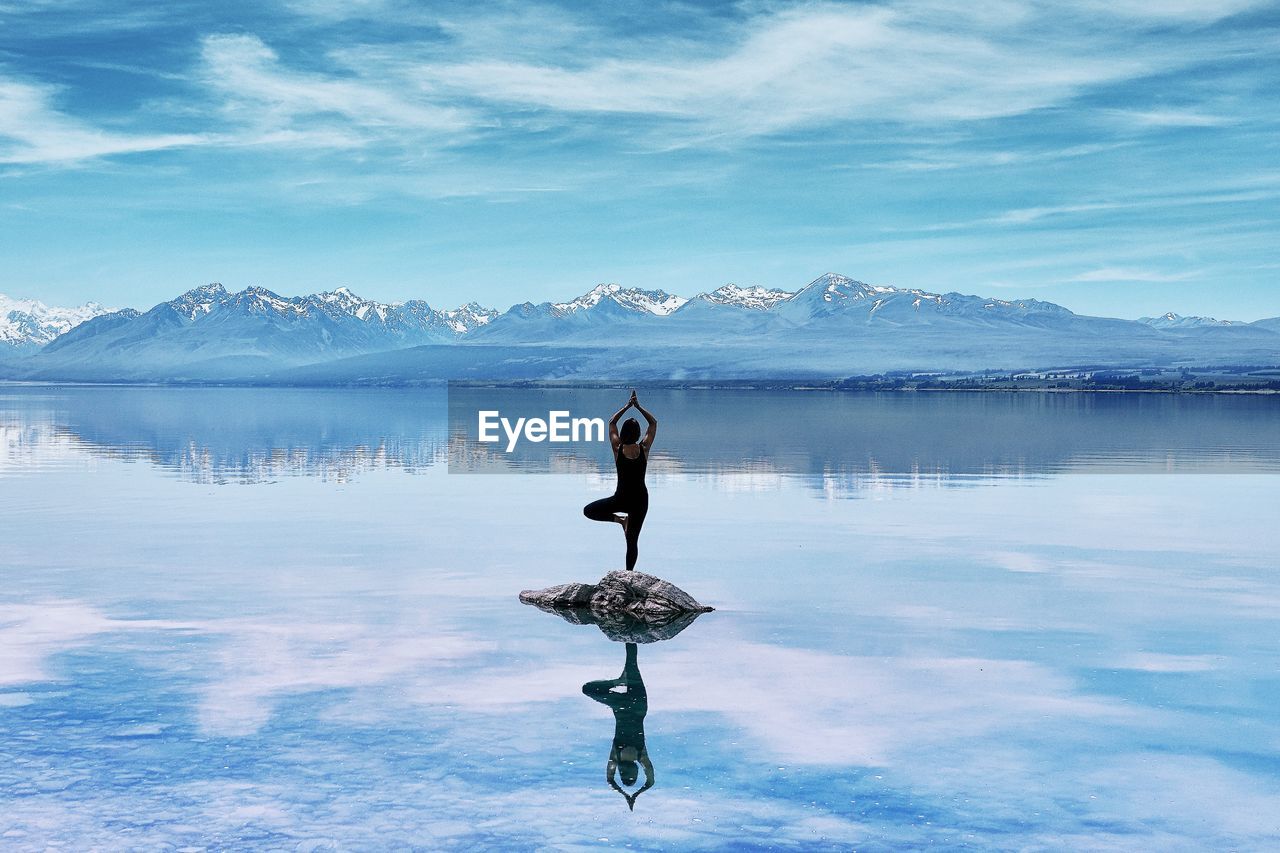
(635, 520)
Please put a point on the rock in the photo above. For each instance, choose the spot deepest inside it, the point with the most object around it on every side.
(564, 595)
(629, 607)
(642, 596)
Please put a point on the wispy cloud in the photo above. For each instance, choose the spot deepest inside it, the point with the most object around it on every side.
(825, 64)
(1173, 11)
(1132, 274)
(280, 105)
(33, 130)
(813, 66)
(1171, 118)
(946, 124)
(1031, 215)
(512, 70)
(952, 158)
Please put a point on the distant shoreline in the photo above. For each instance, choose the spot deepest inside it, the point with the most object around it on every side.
(1239, 386)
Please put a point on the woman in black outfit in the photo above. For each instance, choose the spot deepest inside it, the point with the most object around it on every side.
(630, 501)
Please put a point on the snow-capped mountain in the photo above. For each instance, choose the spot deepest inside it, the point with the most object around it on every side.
(341, 304)
(656, 302)
(828, 307)
(468, 317)
(28, 324)
(589, 316)
(210, 329)
(833, 326)
(755, 297)
(1177, 321)
(838, 296)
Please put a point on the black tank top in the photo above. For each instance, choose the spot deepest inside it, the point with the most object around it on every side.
(631, 472)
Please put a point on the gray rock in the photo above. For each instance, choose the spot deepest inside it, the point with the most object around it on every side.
(642, 596)
(564, 595)
(629, 607)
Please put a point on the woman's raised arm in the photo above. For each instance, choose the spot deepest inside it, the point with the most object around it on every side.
(652, 432)
(614, 439)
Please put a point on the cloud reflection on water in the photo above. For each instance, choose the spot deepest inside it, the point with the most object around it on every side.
(1056, 661)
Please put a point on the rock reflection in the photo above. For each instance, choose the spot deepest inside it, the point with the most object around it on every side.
(622, 628)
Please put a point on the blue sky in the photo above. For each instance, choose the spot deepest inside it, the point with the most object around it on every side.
(1119, 157)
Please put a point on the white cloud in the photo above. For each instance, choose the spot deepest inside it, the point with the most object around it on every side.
(284, 106)
(1030, 215)
(1158, 662)
(32, 130)
(815, 66)
(511, 69)
(951, 158)
(1171, 118)
(338, 10)
(1132, 274)
(1173, 11)
(825, 64)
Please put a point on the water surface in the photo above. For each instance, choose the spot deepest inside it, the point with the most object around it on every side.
(273, 618)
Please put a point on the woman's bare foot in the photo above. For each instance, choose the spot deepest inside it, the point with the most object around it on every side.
(622, 519)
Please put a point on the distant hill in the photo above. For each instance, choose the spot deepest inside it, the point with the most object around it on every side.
(835, 326)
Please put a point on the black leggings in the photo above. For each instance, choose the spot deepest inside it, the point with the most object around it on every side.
(635, 506)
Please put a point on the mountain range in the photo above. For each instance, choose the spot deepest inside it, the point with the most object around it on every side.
(26, 325)
(833, 327)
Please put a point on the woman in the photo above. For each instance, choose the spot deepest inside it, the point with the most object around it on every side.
(630, 501)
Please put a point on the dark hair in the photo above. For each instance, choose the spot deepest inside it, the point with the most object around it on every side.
(630, 432)
(629, 772)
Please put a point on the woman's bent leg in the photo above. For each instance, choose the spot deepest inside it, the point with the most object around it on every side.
(601, 510)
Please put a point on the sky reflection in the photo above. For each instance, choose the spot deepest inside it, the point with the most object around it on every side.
(1058, 661)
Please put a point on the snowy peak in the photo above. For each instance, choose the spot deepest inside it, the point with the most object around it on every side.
(415, 312)
(259, 300)
(27, 324)
(468, 317)
(199, 301)
(755, 297)
(344, 301)
(340, 305)
(834, 326)
(833, 287)
(1177, 321)
(342, 298)
(835, 296)
(657, 302)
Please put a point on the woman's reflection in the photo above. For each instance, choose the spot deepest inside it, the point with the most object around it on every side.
(626, 696)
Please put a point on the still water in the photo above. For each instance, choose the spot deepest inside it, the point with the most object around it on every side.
(275, 619)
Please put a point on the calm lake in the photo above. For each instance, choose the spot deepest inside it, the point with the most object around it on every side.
(288, 619)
